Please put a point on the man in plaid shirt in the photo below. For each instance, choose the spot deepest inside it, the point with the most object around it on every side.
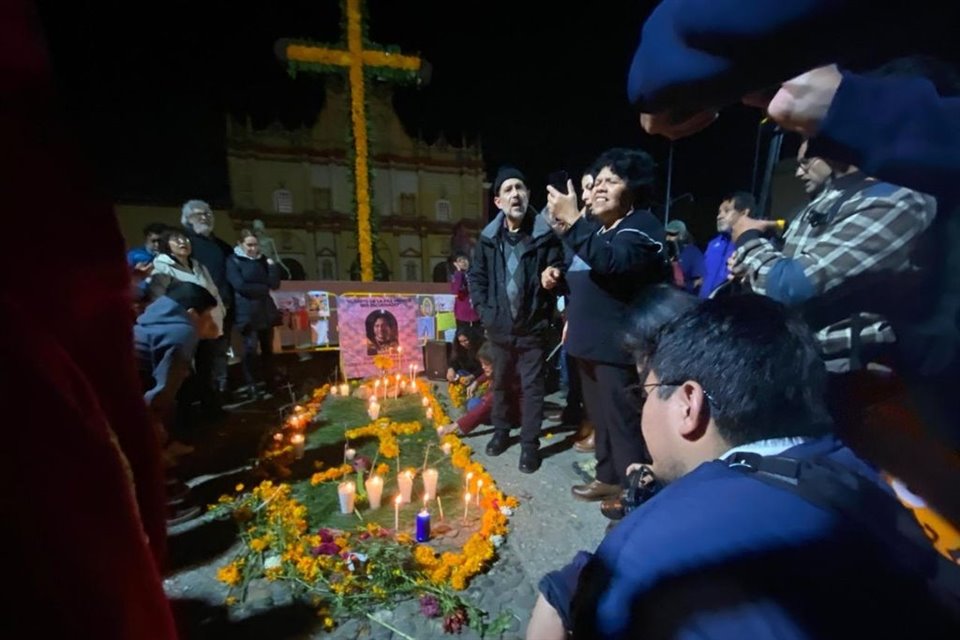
(855, 227)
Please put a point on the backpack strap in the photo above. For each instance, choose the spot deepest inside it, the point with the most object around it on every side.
(863, 504)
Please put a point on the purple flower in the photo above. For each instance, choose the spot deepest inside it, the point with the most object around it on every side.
(326, 549)
(429, 606)
(325, 535)
(361, 463)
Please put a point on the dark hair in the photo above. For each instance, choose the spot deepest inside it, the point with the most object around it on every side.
(636, 167)
(246, 233)
(473, 335)
(154, 227)
(485, 353)
(652, 309)
(757, 362)
(386, 315)
(170, 232)
(742, 200)
(191, 296)
(943, 76)
(459, 254)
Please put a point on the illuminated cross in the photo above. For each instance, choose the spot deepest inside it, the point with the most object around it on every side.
(356, 59)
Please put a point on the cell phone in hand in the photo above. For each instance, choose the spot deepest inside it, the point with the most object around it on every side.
(558, 180)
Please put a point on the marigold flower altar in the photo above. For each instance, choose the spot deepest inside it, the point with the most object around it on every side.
(375, 508)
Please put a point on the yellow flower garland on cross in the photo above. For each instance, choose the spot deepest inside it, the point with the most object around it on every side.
(355, 58)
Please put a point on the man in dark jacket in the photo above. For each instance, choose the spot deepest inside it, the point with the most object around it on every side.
(512, 252)
(211, 252)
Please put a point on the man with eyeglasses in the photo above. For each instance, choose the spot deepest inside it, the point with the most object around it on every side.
(735, 386)
(212, 252)
(856, 241)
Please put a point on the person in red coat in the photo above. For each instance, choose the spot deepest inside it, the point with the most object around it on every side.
(480, 405)
(85, 507)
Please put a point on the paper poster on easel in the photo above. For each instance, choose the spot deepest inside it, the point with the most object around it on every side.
(426, 329)
(320, 331)
(378, 329)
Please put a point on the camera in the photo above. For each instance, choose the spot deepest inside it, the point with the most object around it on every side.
(641, 486)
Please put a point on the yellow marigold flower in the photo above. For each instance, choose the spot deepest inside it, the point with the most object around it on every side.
(425, 556)
(229, 574)
(383, 469)
(328, 623)
(230, 601)
(458, 582)
(440, 575)
(258, 544)
(512, 502)
(273, 573)
(239, 487)
(404, 538)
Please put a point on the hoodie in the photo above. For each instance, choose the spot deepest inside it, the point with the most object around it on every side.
(165, 340)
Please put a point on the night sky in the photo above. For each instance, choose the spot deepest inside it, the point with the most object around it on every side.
(148, 84)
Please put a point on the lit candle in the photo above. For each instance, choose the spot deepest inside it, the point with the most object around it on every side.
(333, 390)
(466, 506)
(396, 513)
(376, 388)
(429, 413)
(374, 486)
(396, 387)
(479, 487)
(347, 492)
(425, 402)
(298, 409)
(469, 478)
(278, 436)
(423, 523)
(349, 453)
(430, 477)
(412, 376)
(298, 442)
(440, 507)
(405, 482)
(386, 383)
(344, 390)
(373, 410)
(446, 447)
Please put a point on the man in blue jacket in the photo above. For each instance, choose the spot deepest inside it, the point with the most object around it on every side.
(718, 553)
(165, 340)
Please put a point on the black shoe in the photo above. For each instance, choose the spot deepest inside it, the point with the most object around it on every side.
(529, 460)
(498, 443)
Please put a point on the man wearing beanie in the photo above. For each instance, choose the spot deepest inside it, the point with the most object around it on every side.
(512, 252)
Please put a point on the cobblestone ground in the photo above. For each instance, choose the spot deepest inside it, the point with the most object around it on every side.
(547, 529)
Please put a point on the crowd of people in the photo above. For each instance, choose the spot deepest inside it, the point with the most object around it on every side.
(791, 395)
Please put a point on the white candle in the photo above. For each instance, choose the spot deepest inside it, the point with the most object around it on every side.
(430, 477)
(373, 410)
(412, 376)
(376, 388)
(396, 513)
(386, 383)
(347, 492)
(429, 413)
(278, 437)
(400, 360)
(440, 507)
(349, 453)
(396, 387)
(466, 506)
(405, 482)
(374, 486)
(333, 390)
(425, 402)
(467, 483)
(298, 442)
(344, 389)
(479, 487)
(446, 447)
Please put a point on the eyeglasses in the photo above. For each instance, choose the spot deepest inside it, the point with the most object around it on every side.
(639, 392)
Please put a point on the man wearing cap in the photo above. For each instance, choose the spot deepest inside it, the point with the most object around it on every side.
(511, 253)
(687, 254)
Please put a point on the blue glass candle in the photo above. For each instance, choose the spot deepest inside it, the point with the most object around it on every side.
(423, 526)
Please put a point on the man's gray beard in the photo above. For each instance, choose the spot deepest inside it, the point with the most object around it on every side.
(202, 229)
(510, 213)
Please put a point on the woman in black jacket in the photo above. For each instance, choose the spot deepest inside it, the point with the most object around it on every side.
(252, 276)
(615, 252)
